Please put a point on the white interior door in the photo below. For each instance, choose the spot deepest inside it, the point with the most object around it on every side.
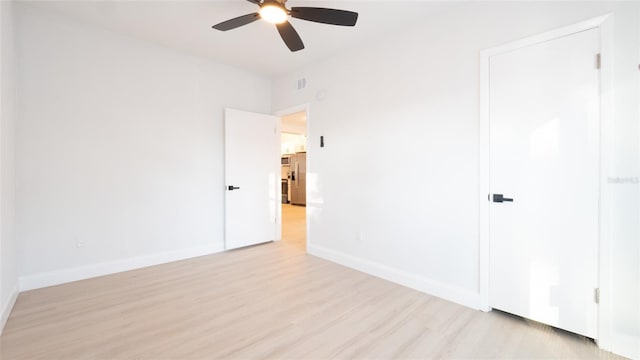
(544, 154)
(252, 177)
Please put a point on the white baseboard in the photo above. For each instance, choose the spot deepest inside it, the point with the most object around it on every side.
(428, 286)
(58, 277)
(6, 309)
(625, 345)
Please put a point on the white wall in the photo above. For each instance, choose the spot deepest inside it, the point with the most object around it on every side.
(294, 123)
(395, 190)
(119, 149)
(8, 246)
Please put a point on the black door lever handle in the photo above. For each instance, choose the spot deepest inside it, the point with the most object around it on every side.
(498, 198)
(231, 188)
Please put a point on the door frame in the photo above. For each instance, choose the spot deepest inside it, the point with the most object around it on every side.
(292, 110)
(605, 24)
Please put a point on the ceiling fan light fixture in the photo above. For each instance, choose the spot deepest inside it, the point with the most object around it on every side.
(273, 13)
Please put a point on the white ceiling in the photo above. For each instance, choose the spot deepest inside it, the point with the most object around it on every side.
(186, 25)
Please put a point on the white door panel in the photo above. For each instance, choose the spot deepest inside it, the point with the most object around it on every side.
(252, 163)
(544, 153)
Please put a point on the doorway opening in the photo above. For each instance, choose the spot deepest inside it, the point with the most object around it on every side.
(293, 151)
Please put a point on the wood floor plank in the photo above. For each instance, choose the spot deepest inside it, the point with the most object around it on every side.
(265, 302)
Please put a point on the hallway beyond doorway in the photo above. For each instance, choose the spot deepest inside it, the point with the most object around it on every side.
(294, 227)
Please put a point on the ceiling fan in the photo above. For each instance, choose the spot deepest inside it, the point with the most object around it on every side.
(275, 12)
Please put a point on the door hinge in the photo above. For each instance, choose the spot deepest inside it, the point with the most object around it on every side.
(596, 295)
(598, 61)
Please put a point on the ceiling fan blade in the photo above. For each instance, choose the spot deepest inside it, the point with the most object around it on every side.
(257, 2)
(237, 22)
(290, 36)
(325, 16)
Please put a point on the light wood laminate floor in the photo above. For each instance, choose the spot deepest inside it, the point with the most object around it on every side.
(267, 301)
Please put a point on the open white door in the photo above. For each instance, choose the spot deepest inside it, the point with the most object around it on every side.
(544, 165)
(252, 178)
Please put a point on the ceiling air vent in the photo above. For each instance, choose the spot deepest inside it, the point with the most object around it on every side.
(302, 83)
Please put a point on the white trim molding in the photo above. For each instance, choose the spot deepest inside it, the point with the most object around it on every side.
(625, 344)
(605, 24)
(428, 286)
(58, 277)
(8, 307)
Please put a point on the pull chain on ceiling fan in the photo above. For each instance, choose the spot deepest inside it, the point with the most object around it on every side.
(275, 12)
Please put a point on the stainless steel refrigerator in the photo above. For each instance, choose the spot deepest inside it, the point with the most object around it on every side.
(298, 178)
